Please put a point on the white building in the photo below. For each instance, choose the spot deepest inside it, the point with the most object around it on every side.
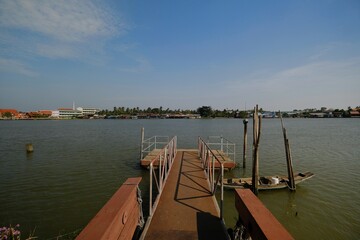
(88, 111)
(69, 113)
(75, 112)
(55, 114)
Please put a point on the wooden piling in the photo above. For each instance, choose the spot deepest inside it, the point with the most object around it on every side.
(291, 183)
(245, 121)
(256, 141)
(29, 148)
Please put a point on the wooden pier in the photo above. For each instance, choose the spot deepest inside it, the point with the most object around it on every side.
(187, 208)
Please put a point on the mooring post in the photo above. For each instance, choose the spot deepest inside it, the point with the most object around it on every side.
(256, 140)
(245, 121)
(29, 148)
(290, 167)
(291, 185)
(142, 142)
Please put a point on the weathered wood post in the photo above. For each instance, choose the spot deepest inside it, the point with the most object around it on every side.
(29, 148)
(256, 140)
(142, 142)
(291, 185)
(245, 121)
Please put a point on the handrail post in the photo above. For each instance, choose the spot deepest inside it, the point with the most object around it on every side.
(208, 164)
(222, 192)
(160, 172)
(150, 198)
(142, 143)
(169, 157)
(165, 163)
(213, 172)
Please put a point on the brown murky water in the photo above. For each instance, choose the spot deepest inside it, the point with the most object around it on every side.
(77, 165)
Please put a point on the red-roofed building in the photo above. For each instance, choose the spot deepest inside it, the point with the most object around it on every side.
(9, 113)
(40, 114)
(46, 112)
(355, 112)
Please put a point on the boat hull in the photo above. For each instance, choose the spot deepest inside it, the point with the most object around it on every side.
(266, 183)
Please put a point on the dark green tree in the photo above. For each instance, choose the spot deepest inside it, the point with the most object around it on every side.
(205, 111)
(7, 115)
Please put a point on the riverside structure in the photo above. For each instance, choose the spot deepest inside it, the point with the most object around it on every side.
(185, 206)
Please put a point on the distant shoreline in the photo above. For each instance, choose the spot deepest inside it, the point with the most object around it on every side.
(89, 119)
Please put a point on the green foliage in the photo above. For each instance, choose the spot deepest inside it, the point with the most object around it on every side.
(205, 111)
(7, 115)
(209, 112)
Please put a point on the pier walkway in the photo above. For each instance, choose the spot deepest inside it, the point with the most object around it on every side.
(185, 183)
(187, 209)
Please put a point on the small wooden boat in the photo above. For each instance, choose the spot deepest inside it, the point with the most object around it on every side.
(266, 183)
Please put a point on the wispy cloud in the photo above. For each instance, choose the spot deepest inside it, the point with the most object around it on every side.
(57, 29)
(14, 66)
(330, 83)
(140, 64)
(61, 20)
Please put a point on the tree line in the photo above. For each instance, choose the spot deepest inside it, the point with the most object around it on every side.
(209, 112)
(204, 112)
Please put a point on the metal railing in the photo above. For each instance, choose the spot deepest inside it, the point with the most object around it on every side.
(223, 144)
(165, 161)
(154, 142)
(209, 160)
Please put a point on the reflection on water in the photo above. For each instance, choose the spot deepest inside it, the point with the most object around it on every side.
(291, 208)
(77, 166)
(29, 156)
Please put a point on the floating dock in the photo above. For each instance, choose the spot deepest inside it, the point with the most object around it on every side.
(222, 149)
(145, 162)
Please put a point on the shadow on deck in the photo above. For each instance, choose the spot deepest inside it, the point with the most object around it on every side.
(187, 209)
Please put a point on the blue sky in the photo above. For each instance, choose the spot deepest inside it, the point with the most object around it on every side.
(179, 54)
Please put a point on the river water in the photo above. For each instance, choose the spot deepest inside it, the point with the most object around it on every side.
(77, 165)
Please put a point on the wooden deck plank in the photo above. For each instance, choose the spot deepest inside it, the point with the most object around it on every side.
(225, 159)
(186, 208)
(145, 162)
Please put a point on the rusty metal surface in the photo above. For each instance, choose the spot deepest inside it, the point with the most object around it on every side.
(186, 208)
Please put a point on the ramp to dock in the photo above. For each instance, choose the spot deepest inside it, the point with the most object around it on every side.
(186, 209)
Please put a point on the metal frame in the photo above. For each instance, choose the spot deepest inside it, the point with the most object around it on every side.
(154, 142)
(165, 158)
(223, 144)
(208, 159)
